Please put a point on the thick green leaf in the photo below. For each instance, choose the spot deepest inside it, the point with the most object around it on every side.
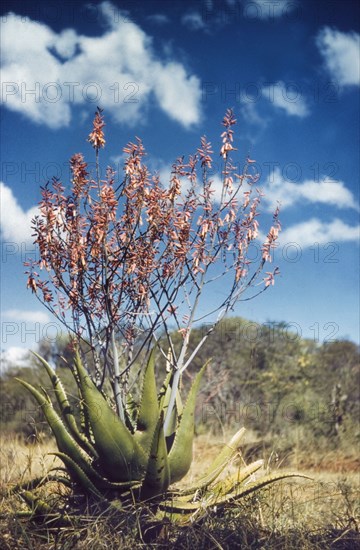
(178, 401)
(227, 453)
(180, 456)
(229, 484)
(65, 442)
(157, 477)
(164, 399)
(120, 456)
(84, 416)
(251, 487)
(38, 505)
(38, 482)
(164, 395)
(65, 407)
(40, 510)
(177, 409)
(148, 414)
(209, 500)
(179, 506)
(78, 474)
(218, 465)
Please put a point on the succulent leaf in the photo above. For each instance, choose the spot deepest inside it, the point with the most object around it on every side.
(84, 416)
(38, 482)
(120, 456)
(251, 487)
(180, 455)
(219, 464)
(78, 474)
(164, 399)
(65, 406)
(148, 414)
(179, 506)
(42, 510)
(65, 442)
(229, 484)
(38, 505)
(131, 411)
(157, 477)
(164, 391)
(227, 453)
(178, 401)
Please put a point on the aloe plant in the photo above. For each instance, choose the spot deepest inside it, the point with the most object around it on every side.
(124, 264)
(113, 462)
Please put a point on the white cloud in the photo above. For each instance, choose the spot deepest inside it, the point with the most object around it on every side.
(268, 9)
(325, 191)
(45, 74)
(315, 231)
(341, 53)
(66, 43)
(286, 97)
(173, 89)
(15, 223)
(14, 356)
(27, 316)
(193, 21)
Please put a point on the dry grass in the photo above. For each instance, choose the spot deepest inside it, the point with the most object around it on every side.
(318, 514)
(21, 462)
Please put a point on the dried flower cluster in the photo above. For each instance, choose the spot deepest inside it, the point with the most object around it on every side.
(131, 259)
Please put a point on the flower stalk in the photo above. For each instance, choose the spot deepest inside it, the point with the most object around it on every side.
(120, 266)
(122, 263)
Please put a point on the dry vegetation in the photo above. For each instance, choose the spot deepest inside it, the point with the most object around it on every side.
(319, 438)
(319, 513)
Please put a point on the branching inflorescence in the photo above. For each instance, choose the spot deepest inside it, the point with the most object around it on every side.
(122, 264)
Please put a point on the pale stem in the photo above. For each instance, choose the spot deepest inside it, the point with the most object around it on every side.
(181, 359)
(117, 387)
(181, 365)
(117, 375)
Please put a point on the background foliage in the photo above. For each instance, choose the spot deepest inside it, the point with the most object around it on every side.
(263, 377)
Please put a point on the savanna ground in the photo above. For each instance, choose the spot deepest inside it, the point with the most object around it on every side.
(320, 513)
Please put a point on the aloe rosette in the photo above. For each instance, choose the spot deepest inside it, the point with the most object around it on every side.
(137, 461)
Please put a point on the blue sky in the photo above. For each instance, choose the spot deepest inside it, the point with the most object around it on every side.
(167, 72)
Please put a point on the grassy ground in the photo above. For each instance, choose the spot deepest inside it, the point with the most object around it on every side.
(320, 513)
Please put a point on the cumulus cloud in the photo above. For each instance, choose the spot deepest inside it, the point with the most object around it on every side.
(27, 316)
(15, 223)
(287, 98)
(316, 231)
(341, 53)
(66, 43)
(324, 191)
(45, 74)
(14, 356)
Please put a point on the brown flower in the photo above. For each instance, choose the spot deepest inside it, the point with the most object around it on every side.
(96, 137)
